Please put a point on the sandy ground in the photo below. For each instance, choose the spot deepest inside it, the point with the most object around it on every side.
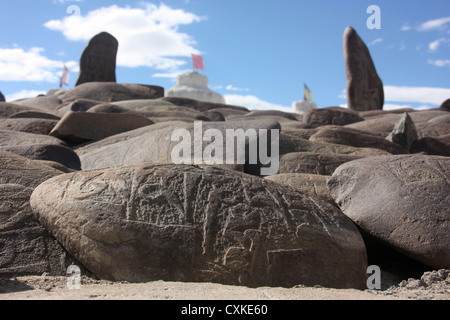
(56, 288)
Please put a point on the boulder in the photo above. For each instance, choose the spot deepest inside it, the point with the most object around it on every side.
(230, 112)
(34, 115)
(17, 138)
(26, 247)
(201, 105)
(141, 103)
(431, 146)
(20, 170)
(293, 142)
(8, 109)
(298, 133)
(313, 185)
(364, 87)
(313, 163)
(199, 224)
(78, 127)
(441, 119)
(2, 97)
(401, 200)
(382, 124)
(385, 123)
(40, 102)
(110, 92)
(98, 60)
(356, 138)
(445, 139)
(432, 129)
(404, 132)
(155, 144)
(77, 105)
(264, 113)
(56, 153)
(377, 113)
(445, 105)
(29, 125)
(331, 116)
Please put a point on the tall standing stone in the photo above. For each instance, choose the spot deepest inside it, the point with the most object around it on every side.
(364, 87)
(98, 61)
(2, 97)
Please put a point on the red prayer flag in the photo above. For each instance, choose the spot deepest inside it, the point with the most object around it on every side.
(64, 77)
(198, 62)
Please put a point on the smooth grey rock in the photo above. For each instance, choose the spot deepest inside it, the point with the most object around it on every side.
(29, 125)
(199, 224)
(403, 201)
(40, 102)
(79, 127)
(55, 153)
(8, 109)
(154, 145)
(404, 132)
(432, 129)
(110, 92)
(17, 138)
(356, 138)
(293, 142)
(34, 115)
(431, 146)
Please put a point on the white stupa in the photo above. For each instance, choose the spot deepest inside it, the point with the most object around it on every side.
(304, 105)
(193, 85)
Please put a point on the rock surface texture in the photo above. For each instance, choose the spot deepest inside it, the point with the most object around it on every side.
(189, 223)
(401, 200)
(364, 87)
(26, 247)
(98, 61)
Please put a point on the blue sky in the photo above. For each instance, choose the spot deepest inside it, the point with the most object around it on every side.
(257, 53)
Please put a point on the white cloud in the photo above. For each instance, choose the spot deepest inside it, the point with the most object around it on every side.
(433, 46)
(23, 94)
(17, 64)
(374, 42)
(65, 1)
(148, 35)
(439, 63)
(253, 103)
(232, 88)
(427, 95)
(436, 24)
(405, 27)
